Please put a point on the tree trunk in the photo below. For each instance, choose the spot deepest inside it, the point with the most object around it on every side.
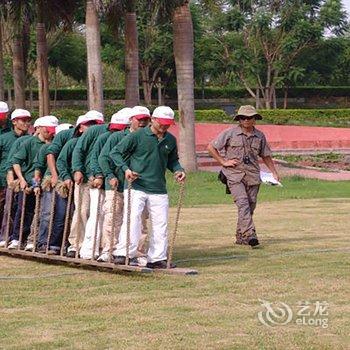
(2, 86)
(159, 89)
(285, 100)
(183, 53)
(9, 97)
(132, 94)
(43, 70)
(147, 88)
(18, 72)
(94, 64)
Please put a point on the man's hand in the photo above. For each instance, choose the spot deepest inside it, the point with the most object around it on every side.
(131, 175)
(37, 190)
(230, 163)
(78, 177)
(68, 183)
(113, 183)
(23, 184)
(54, 180)
(97, 182)
(180, 176)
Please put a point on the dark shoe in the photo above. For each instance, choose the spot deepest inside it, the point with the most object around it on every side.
(120, 260)
(253, 242)
(162, 264)
(71, 254)
(41, 249)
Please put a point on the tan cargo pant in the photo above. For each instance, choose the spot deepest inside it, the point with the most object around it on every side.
(245, 197)
(109, 226)
(79, 220)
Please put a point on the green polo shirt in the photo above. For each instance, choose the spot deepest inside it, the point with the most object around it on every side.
(25, 157)
(82, 151)
(13, 150)
(6, 142)
(107, 167)
(96, 150)
(142, 152)
(59, 141)
(64, 160)
(7, 127)
(40, 161)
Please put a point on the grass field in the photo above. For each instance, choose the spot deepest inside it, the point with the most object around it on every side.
(304, 256)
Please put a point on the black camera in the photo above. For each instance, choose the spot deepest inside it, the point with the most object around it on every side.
(246, 160)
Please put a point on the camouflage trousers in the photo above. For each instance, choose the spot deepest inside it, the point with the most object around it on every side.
(245, 198)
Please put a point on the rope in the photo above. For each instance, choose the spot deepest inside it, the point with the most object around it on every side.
(128, 221)
(36, 219)
(67, 219)
(114, 217)
(78, 209)
(96, 225)
(173, 236)
(8, 219)
(24, 198)
(52, 216)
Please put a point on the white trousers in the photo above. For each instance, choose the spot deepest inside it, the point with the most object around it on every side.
(96, 213)
(157, 205)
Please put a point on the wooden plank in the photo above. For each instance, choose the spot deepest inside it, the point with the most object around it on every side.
(93, 264)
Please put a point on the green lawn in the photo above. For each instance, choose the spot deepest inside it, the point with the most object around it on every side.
(204, 188)
(304, 256)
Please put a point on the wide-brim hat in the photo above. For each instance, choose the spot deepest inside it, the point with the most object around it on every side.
(247, 111)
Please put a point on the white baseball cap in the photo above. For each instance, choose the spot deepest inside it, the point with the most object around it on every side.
(4, 108)
(20, 113)
(121, 119)
(95, 116)
(140, 112)
(49, 121)
(63, 126)
(164, 115)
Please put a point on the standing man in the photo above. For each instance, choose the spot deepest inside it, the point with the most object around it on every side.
(241, 147)
(144, 156)
(5, 123)
(114, 179)
(23, 163)
(21, 121)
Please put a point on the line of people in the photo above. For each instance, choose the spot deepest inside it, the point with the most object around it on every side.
(77, 176)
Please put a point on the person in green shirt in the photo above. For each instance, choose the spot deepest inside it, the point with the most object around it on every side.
(20, 121)
(114, 179)
(5, 122)
(24, 167)
(81, 159)
(144, 156)
(119, 121)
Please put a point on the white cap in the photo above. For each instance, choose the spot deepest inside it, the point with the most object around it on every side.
(94, 115)
(63, 126)
(164, 114)
(48, 120)
(121, 119)
(4, 108)
(140, 112)
(20, 113)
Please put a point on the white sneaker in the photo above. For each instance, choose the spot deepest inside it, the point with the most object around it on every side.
(104, 257)
(2, 244)
(29, 247)
(14, 244)
(142, 261)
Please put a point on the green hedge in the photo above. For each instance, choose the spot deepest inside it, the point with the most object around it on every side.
(209, 93)
(317, 117)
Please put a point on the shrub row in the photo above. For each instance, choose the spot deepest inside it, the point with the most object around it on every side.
(209, 93)
(320, 117)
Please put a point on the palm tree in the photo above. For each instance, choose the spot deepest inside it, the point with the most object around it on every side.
(183, 53)
(49, 15)
(126, 9)
(2, 86)
(94, 64)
